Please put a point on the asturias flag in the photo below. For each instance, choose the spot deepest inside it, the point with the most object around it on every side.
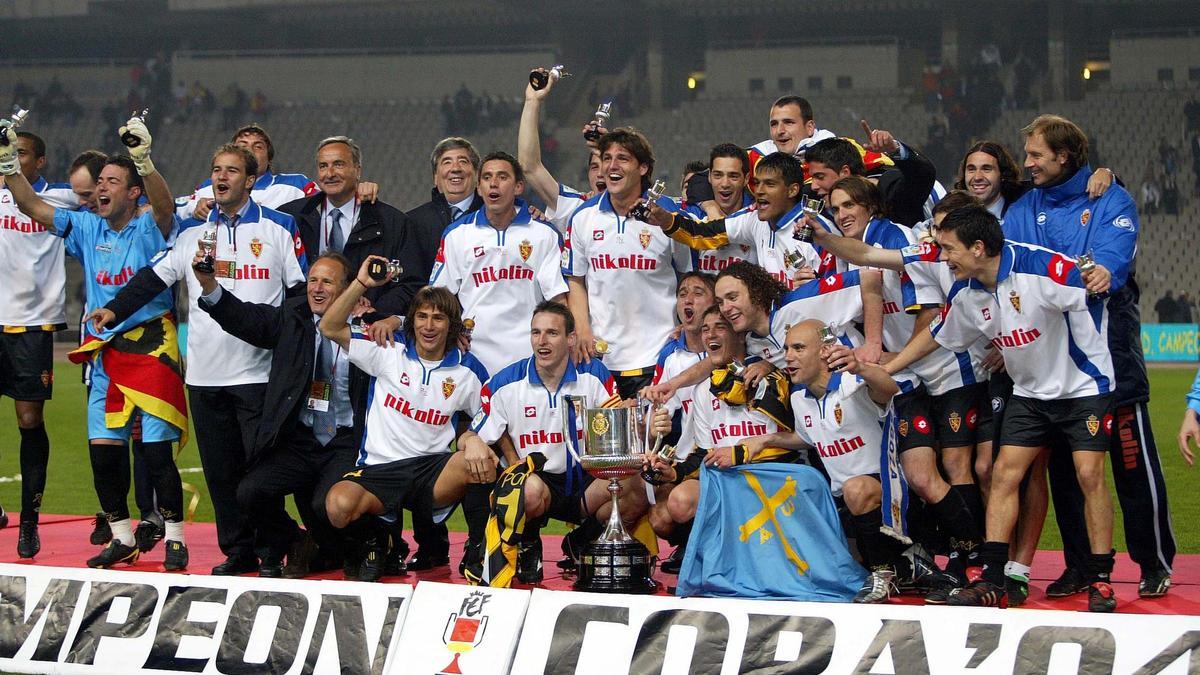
(768, 531)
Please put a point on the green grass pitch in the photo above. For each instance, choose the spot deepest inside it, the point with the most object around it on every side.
(70, 490)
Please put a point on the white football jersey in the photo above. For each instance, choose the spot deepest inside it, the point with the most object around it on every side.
(32, 275)
(932, 280)
(499, 276)
(673, 359)
(630, 268)
(845, 426)
(257, 259)
(1054, 341)
(716, 424)
(516, 401)
(412, 407)
(835, 300)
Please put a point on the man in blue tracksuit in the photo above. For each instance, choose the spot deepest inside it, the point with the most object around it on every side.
(1058, 214)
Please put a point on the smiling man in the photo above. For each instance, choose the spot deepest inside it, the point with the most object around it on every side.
(336, 219)
(793, 131)
(259, 256)
(501, 263)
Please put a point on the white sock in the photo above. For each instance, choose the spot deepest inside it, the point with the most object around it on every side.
(174, 531)
(1016, 569)
(122, 532)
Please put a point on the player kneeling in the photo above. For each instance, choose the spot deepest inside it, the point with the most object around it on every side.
(839, 404)
(524, 410)
(419, 387)
(727, 425)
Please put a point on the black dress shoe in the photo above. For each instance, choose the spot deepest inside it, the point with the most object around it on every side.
(674, 562)
(101, 531)
(271, 567)
(28, 541)
(235, 565)
(422, 561)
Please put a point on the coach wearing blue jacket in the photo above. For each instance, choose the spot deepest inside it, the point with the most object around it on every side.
(1058, 214)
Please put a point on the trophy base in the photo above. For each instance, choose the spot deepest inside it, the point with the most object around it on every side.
(616, 567)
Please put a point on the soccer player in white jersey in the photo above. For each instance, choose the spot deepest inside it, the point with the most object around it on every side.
(841, 408)
(1032, 303)
(524, 412)
(31, 310)
(622, 271)
(425, 392)
(720, 192)
(767, 226)
(856, 207)
(501, 263)
(719, 422)
(259, 257)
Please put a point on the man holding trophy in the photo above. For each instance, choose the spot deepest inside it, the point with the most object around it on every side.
(135, 363)
(525, 411)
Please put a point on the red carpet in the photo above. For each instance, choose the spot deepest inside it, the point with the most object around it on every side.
(65, 544)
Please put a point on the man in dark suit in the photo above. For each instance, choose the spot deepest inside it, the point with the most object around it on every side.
(905, 188)
(455, 165)
(335, 220)
(311, 425)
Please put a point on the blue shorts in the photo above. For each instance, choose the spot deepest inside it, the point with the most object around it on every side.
(154, 429)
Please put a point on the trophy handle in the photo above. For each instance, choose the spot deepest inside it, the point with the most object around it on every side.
(571, 421)
(645, 411)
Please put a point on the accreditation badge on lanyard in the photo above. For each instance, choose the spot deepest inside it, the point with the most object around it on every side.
(319, 394)
(226, 267)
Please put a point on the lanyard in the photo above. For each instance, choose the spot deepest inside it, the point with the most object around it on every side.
(232, 225)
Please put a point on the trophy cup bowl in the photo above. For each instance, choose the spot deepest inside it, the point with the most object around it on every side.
(610, 449)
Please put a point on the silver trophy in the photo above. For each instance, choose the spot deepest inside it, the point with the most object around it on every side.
(15, 120)
(128, 138)
(208, 246)
(1086, 262)
(612, 446)
(828, 338)
(380, 269)
(599, 119)
(641, 210)
(811, 208)
(539, 78)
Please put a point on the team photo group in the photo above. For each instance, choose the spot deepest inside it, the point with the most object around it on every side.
(924, 358)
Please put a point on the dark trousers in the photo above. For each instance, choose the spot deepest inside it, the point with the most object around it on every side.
(1140, 490)
(225, 420)
(300, 466)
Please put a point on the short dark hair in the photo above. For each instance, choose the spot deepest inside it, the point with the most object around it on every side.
(92, 159)
(559, 309)
(836, 153)
(442, 300)
(248, 158)
(955, 200)
(695, 166)
(975, 223)
(704, 277)
(454, 143)
(518, 172)
(765, 290)
(712, 309)
(125, 162)
(862, 192)
(339, 259)
(1062, 135)
(806, 111)
(254, 128)
(39, 145)
(785, 165)
(731, 151)
(1010, 173)
(636, 143)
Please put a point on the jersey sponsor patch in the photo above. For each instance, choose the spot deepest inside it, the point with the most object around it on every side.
(1123, 222)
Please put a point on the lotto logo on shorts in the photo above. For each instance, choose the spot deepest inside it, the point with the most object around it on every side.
(1108, 424)
(921, 424)
(972, 418)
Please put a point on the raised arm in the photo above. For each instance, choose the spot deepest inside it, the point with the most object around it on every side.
(157, 192)
(333, 325)
(529, 145)
(27, 200)
(858, 252)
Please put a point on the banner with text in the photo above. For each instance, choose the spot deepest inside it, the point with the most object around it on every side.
(456, 629)
(1171, 341)
(61, 620)
(591, 634)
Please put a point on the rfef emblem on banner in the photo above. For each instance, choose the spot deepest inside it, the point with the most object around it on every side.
(465, 629)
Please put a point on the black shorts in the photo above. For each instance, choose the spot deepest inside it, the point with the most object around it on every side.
(27, 365)
(949, 420)
(630, 382)
(565, 507)
(403, 484)
(1000, 387)
(1086, 422)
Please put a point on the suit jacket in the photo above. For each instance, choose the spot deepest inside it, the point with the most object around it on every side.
(906, 187)
(290, 332)
(381, 230)
(433, 216)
